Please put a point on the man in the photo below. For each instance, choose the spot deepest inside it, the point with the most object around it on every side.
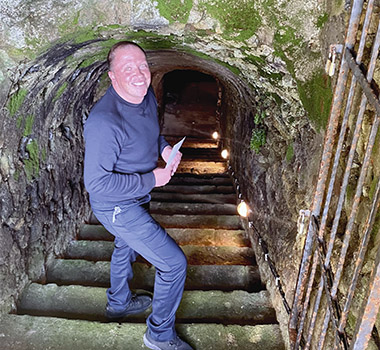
(120, 169)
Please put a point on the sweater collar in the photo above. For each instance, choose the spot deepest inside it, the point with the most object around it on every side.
(129, 104)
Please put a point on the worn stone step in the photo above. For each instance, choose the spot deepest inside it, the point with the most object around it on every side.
(202, 167)
(193, 208)
(203, 277)
(229, 222)
(191, 141)
(236, 307)
(214, 198)
(183, 236)
(102, 251)
(46, 333)
(206, 179)
(201, 189)
(201, 153)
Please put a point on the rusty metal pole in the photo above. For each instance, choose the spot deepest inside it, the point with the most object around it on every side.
(324, 169)
(372, 303)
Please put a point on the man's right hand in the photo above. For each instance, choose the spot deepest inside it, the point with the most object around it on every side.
(162, 176)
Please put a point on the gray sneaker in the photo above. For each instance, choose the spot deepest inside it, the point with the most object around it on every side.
(138, 304)
(175, 344)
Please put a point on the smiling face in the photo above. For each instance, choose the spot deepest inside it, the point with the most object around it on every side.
(130, 74)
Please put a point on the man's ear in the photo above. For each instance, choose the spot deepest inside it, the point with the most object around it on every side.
(111, 75)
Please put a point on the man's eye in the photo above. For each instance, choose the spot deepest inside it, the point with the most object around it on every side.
(144, 66)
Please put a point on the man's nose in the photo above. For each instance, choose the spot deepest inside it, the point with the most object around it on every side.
(138, 71)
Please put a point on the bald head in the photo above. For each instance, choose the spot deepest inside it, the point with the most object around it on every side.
(119, 45)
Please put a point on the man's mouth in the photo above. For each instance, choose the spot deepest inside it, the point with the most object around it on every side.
(139, 83)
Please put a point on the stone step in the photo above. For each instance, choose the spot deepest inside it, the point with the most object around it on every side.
(183, 236)
(102, 251)
(202, 167)
(211, 154)
(79, 302)
(203, 277)
(200, 189)
(192, 142)
(229, 222)
(193, 208)
(214, 198)
(46, 333)
(206, 179)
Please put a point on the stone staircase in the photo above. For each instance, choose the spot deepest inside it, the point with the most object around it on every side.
(224, 306)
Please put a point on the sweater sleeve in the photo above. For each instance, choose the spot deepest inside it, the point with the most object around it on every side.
(104, 140)
(162, 143)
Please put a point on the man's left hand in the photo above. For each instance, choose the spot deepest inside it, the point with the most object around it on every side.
(175, 162)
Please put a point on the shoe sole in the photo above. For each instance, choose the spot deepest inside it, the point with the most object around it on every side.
(149, 344)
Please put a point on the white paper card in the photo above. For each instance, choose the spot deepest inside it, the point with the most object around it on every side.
(175, 149)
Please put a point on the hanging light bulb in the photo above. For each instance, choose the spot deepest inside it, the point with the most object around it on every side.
(215, 135)
(225, 154)
(243, 209)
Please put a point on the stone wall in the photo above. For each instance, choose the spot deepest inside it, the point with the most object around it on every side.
(268, 56)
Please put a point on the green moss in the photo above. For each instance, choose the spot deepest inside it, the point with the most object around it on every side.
(289, 153)
(16, 101)
(254, 59)
(277, 98)
(372, 188)
(316, 96)
(44, 154)
(60, 91)
(279, 52)
(34, 42)
(203, 32)
(233, 69)
(141, 34)
(99, 56)
(76, 18)
(288, 46)
(159, 43)
(28, 125)
(239, 19)
(322, 20)
(259, 118)
(110, 26)
(258, 139)
(376, 228)
(175, 10)
(68, 25)
(85, 35)
(19, 121)
(259, 135)
(16, 175)
(287, 36)
(32, 165)
(376, 156)
(80, 34)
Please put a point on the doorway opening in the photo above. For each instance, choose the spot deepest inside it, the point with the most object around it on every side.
(191, 105)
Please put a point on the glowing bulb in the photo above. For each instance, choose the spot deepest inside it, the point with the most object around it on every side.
(243, 209)
(215, 135)
(225, 154)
